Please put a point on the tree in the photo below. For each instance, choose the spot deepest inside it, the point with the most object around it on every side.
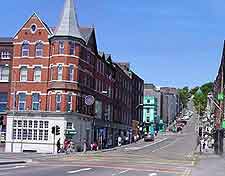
(193, 90)
(184, 95)
(200, 99)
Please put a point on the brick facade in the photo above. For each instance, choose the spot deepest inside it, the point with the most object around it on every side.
(52, 75)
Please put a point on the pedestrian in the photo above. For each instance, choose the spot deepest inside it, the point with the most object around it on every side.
(135, 138)
(85, 146)
(127, 139)
(58, 146)
(119, 141)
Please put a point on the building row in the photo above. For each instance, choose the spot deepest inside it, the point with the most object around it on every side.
(218, 92)
(48, 76)
(161, 106)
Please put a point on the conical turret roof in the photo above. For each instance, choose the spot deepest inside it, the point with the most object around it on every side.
(68, 25)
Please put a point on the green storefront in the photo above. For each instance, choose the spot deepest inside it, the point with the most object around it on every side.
(149, 113)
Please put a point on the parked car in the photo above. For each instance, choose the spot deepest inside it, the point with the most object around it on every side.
(182, 121)
(148, 137)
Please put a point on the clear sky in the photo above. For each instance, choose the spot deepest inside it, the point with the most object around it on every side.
(167, 42)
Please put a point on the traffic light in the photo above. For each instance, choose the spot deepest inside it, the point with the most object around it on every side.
(200, 131)
(1, 120)
(57, 130)
(53, 130)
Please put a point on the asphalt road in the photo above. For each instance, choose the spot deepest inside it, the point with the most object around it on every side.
(169, 155)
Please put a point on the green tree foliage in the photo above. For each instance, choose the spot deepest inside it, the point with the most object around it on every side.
(184, 95)
(200, 99)
(194, 90)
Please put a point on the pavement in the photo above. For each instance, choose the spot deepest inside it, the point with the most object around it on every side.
(168, 155)
(209, 163)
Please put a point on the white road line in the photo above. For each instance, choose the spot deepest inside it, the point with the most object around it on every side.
(80, 170)
(153, 174)
(122, 172)
(10, 168)
(138, 148)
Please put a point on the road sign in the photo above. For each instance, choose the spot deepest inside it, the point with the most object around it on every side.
(223, 124)
(220, 96)
(89, 100)
(71, 132)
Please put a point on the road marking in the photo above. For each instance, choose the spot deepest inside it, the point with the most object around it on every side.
(153, 174)
(165, 146)
(10, 168)
(176, 170)
(122, 172)
(138, 148)
(80, 170)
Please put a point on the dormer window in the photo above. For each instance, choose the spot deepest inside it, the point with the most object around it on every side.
(5, 55)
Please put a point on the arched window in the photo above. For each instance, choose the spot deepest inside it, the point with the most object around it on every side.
(37, 74)
(4, 73)
(39, 49)
(23, 74)
(25, 49)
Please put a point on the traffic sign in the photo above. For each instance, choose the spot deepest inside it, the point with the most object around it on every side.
(220, 96)
(71, 132)
(89, 100)
(223, 124)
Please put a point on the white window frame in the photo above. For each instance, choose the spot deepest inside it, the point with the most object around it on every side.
(58, 102)
(23, 73)
(23, 50)
(39, 51)
(22, 102)
(37, 74)
(71, 74)
(36, 102)
(60, 72)
(5, 55)
(61, 47)
(69, 104)
(51, 72)
(4, 73)
(69, 125)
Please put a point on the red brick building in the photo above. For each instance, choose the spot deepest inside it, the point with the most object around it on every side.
(53, 70)
(6, 53)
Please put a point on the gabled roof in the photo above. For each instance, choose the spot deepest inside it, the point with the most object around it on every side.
(68, 25)
(86, 33)
(100, 53)
(42, 22)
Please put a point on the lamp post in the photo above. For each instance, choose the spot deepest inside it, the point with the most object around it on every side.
(14, 104)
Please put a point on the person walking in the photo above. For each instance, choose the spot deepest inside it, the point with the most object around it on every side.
(58, 146)
(119, 141)
(85, 146)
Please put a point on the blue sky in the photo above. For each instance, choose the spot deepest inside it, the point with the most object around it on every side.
(169, 43)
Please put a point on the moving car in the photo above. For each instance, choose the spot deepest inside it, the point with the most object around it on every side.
(148, 137)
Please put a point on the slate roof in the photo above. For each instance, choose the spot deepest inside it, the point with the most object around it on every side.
(6, 39)
(86, 33)
(68, 25)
